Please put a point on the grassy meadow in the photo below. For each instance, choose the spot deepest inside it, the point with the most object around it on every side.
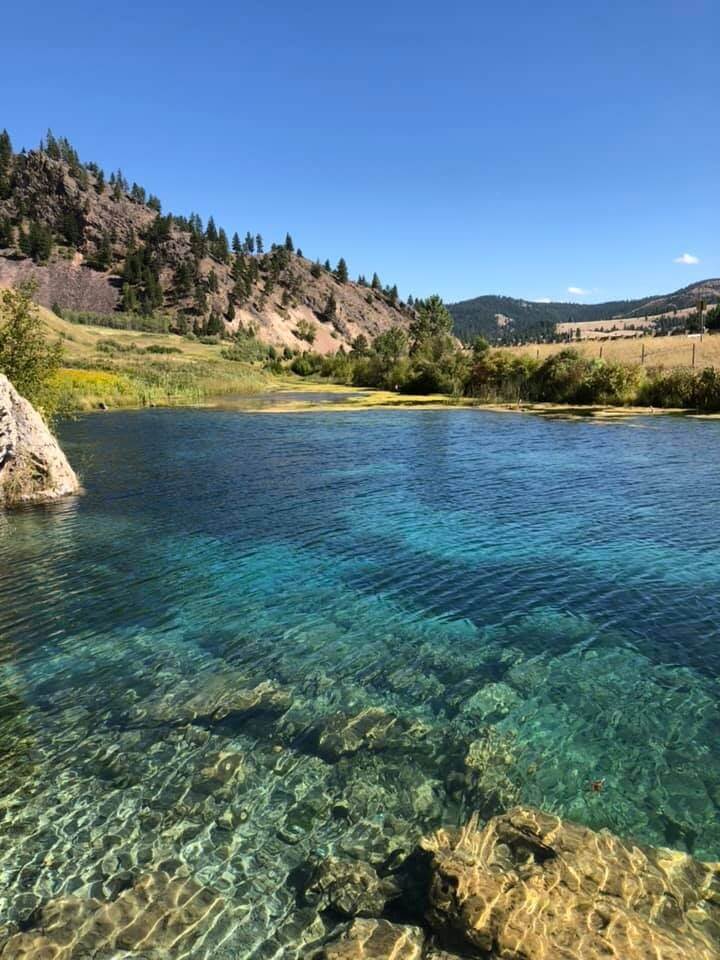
(126, 368)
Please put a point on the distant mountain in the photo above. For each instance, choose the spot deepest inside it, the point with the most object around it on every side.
(95, 243)
(507, 320)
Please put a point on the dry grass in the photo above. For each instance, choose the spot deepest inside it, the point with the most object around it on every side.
(667, 352)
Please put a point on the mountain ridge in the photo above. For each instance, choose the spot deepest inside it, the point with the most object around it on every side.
(510, 319)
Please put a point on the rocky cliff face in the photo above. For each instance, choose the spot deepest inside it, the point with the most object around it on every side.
(95, 246)
(33, 468)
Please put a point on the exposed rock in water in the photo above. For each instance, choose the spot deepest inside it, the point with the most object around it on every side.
(530, 886)
(33, 468)
(349, 887)
(377, 940)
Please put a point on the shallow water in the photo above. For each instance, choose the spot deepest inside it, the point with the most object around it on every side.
(535, 602)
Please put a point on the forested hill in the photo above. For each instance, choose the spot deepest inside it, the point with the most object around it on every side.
(506, 319)
(94, 242)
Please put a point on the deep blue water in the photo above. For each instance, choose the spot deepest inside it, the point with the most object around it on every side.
(546, 588)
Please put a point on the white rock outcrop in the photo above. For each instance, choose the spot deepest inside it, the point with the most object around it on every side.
(33, 468)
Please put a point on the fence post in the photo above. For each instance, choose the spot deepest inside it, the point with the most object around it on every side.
(693, 359)
(642, 355)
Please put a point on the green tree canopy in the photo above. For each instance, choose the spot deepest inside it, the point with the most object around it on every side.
(27, 358)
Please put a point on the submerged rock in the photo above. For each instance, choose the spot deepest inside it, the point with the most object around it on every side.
(33, 468)
(349, 887)
(218, 697)
(377, 940)
(530, 886)
(343, 734)
(157, 916)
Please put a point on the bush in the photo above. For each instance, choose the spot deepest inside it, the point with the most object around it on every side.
(158, 348)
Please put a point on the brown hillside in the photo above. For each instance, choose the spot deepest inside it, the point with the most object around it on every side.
(96, 227)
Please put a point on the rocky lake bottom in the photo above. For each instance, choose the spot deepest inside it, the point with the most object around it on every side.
(260, 644)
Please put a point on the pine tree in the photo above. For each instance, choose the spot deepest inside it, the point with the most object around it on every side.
(298, 252)
(222, 248)
(128, 301)
(259, 243)
(375, 282)
(236, 245)
(393, 294)
(211, 233)
(341, 271)
(215, 326)
(6, 155)
(316, 269)
(249, 243)
(289, 245)
(327, 266)
(99, 181)
(212, 282)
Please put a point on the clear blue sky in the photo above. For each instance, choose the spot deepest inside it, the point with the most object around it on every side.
(460, 147)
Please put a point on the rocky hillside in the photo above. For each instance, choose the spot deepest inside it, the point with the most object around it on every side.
(96, 243)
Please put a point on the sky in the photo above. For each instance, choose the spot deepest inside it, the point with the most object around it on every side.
(568, 149)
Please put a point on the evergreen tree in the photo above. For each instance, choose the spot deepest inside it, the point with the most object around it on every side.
(375, 282)
(128, 301)
(249, 243)
(230, 312)
(393, 294)
(289, 245)
(154, 203)
(222, 248)
(236, 245)
(316, 269)
(410, 301)
(327, 266)
(298, 252)
(212, 282)
(215, 326)
(329, 314)
(99, 181)
(259, 243)
(211, 233)
(6, 155)
(341, 271)
(6, 233)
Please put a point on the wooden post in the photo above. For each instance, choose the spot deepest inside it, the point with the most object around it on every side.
(642, 355)
(601, 349)
(693, 359)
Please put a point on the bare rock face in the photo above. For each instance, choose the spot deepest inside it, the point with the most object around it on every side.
(377, 940)
(530, 886)
(33, 468)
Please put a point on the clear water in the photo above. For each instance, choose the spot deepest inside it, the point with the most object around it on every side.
(540, 594)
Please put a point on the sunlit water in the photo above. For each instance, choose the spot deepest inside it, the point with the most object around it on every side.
(546, 589)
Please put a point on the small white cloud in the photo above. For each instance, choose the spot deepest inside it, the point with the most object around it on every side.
(578, 291)
(687, 258)
(542, 300)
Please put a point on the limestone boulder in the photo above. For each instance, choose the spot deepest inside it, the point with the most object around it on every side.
(530, 886)
(33, 468)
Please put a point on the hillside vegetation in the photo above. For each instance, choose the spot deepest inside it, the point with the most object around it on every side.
(506, 320)
(98, 244)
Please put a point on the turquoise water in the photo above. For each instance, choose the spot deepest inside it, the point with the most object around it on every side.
(532, 603)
